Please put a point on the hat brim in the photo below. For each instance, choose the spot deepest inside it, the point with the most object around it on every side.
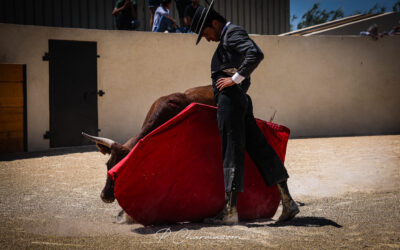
(204, 21)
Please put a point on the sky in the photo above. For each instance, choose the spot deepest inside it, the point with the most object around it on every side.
(299, 7)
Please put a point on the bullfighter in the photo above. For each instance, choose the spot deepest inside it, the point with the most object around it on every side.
(235, 58)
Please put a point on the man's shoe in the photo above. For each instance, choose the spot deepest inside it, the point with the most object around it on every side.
(228, 216)
(289, 211)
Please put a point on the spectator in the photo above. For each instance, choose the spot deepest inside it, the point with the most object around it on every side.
(372, 32)
(125, 14)
(153, 5)
(189, 12)
(162, 20)
(395, 31)
(181, 5)
(375, 34)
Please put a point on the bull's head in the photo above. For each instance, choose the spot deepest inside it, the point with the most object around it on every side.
(117, 152)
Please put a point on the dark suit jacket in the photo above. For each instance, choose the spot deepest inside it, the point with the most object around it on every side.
(236, 50)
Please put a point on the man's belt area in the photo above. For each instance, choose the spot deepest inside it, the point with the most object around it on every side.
(245, 84)
(230, 71)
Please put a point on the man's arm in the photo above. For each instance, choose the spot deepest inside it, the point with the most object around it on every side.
(118, 10)
(166, 14)
(239, 41)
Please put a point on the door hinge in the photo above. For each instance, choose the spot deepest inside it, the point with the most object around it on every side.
(101, 92)
(46, 57)
(47, 135)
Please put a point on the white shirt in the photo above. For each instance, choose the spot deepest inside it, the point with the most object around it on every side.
(160, 11)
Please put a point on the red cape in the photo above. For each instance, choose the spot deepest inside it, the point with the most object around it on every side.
(175, 173)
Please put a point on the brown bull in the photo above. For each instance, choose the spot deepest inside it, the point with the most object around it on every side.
(163, 109)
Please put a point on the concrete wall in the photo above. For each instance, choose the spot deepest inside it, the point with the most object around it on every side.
(319, 86)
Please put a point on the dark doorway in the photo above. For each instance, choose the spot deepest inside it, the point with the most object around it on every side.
(73, 92)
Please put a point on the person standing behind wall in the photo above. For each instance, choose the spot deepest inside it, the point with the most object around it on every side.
(181, 6)
(153, 5)
(125, 14)
(189, 12)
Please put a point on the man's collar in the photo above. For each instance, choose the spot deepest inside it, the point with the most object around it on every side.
(224, 29)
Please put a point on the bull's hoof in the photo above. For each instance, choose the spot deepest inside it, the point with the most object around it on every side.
(289, 211)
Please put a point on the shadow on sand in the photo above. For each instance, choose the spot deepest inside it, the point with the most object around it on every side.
(47, 153)
(309, 221)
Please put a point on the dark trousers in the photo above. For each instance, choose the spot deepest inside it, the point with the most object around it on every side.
(165, 24)
(239, 133)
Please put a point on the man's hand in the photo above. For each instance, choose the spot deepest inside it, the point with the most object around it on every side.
(173, 21)
(224, 83)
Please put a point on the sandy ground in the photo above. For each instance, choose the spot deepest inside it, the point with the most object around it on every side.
(349, 189)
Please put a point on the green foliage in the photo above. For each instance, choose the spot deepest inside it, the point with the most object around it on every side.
(316, 16)
(294, 17)
(376, 9)
(396, 6)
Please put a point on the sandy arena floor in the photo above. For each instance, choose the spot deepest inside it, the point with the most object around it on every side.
(349, 189)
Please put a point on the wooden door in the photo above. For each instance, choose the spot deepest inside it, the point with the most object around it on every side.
(12, 108)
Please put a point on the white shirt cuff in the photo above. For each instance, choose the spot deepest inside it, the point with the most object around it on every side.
(237, 78)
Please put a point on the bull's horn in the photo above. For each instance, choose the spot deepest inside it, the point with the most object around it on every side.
(100, 140)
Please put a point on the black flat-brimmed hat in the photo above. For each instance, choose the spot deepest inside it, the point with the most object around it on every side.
(199, 19)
